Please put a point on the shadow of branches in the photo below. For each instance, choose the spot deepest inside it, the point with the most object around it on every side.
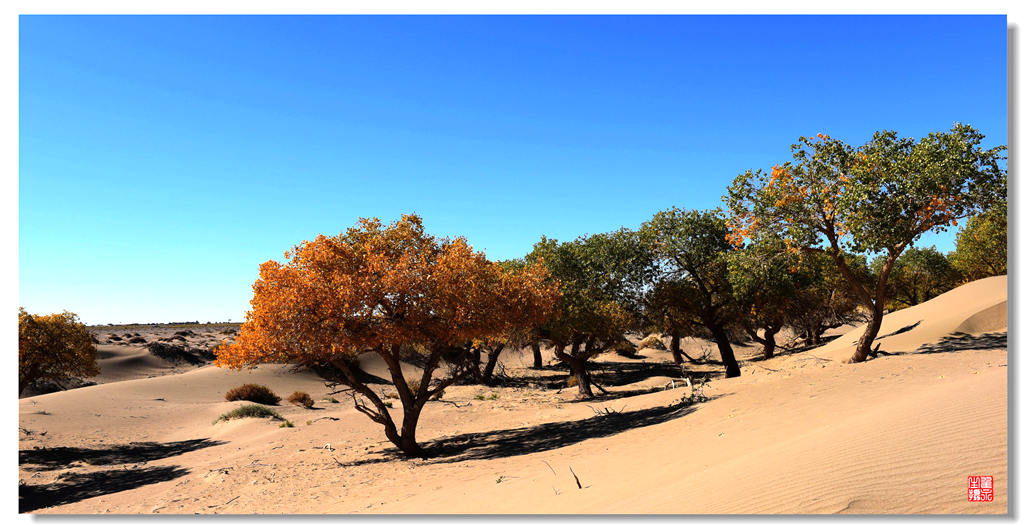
(59, 457)
(79, 486)
(959, 342)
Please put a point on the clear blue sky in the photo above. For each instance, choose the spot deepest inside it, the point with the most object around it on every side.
(163, 158)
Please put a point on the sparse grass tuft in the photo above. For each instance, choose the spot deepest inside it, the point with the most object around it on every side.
(286, 424)
(249, 411)
(255, 393)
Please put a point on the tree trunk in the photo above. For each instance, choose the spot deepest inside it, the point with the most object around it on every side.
(492, 361)
(732, 368)
(877, 312)
(676, 355)
(579, 371)
(538, 362)
(815, 338)
(407, 440)
(870, 332)
(769, 342)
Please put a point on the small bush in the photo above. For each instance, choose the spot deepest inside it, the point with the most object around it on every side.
(652, 341)
(174, 353)
(138, 339)
(255, 393)
(625, 349)
(301, 398)
(249, 411)
(286, 424)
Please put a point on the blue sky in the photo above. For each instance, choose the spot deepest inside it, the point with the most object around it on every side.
(163, 158)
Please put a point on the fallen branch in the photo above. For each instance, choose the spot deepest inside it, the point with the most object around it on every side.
(578, 484)
(311, 421)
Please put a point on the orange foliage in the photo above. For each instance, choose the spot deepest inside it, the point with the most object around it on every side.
(378, 287)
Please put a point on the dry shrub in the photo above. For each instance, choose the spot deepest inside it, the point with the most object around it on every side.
(625, 349)
(652, 341)
(255, 393)
(301, 398)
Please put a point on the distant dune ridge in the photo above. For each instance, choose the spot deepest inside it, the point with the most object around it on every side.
(800, 433)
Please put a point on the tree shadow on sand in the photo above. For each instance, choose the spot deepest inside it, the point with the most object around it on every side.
(59, 457)
(905, 329)
(529, 440)
(959, 342)
(78, 486)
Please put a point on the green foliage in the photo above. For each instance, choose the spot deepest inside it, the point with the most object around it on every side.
(255, 393)
(824, 298)
(917, 276)
(765, 279)
(981, 249)
(601, 278)
(691, 284)
(249, 411)
(53, 347)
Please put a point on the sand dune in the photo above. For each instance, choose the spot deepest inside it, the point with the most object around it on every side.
(800, 433)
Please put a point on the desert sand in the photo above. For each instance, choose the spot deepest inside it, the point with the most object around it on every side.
(800, 433)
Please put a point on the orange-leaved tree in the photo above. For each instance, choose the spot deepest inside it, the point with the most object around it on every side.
(391, 290)
(55, 347)
(879, 198)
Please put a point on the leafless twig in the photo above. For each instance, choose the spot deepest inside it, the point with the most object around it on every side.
(578, 484)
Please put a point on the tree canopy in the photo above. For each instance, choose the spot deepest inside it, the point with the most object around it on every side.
(54, 347)
(981, 249)
(601, 278)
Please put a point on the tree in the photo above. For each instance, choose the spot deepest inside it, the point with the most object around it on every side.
(842, 201)
(981, 245)
(919, 275)
(391, 290)
(519, 332)
(56, 347)
(601, 279)
(824, 298)
(764, 278)
(692, 290)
